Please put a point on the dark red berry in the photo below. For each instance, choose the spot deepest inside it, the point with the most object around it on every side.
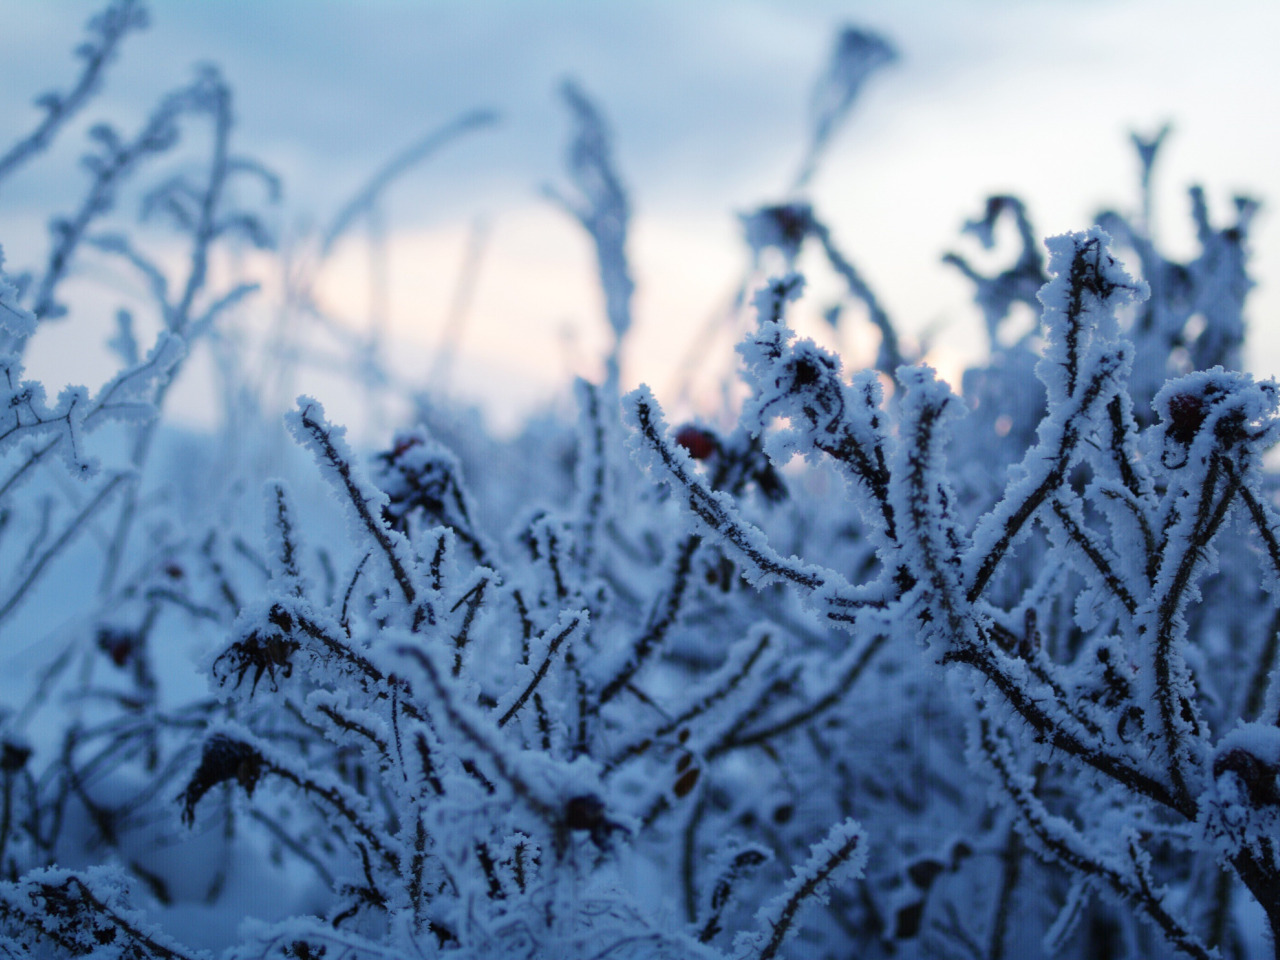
(583, 812)
(700, 443)
(119, 645)
(1186, 415)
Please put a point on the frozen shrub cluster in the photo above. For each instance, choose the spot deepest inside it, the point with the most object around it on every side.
(882, 671)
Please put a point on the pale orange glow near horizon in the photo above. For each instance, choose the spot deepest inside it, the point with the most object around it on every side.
(707, 105)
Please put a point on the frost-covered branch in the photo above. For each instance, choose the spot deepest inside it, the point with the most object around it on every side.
(841, 856)
(108, 29)
(335, 459)
(604, 212)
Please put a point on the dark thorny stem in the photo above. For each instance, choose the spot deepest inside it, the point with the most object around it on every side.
(1136, 888)
(1053, 480)
(178, 317)
(838, 691)
(1255, 696)
(660, 622)
(497, 758)
(77, 524)
(720, 893)
(806, 890)
(1260, 519)
(1209, 518)
(375, 527)
(473, 598)
(890, 354)
(94, 905)
(713, 513)
(1055, 735)
(371, 678)
(1084, 539)
(695, 710)
(552, 648)
(689, 860)
(591, 453)
(1119, 433)
(333, 798)
(1263, 882)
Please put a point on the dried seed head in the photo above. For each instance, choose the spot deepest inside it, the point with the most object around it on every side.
(221, 759)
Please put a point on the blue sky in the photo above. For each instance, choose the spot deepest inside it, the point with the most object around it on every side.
(707, 100)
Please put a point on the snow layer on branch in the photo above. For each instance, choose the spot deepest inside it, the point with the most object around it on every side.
(15, 319)
(800, 381)
(544, 651)
(838, 858)
(1240, 810)
(1045, 466)
(924, 503)
(26, 415)
(364, 503)
(530, 778)
(1080, 305)
(86, 914)
(283, 546)
(1212, 410)
(717, 511)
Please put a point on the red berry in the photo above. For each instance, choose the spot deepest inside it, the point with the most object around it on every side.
(700, 443)
(1186, 414)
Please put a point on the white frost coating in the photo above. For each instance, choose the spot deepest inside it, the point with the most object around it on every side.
(1211, 409)
(1083, 367)
(924, 503)
(333, 712)
(1079, 894)
(1043, 467)
(1214, 426)
(718, 517)
(715, 510)
(15, 319)
(86, 911)
(1080, 304)
(25, 415)
(364, 503)
(554, 788)
(1112, 584)
(282, 537)
(545, 651)
(838, 858)
(1240, 809)
(532, 778)
(800, 382)
(770, 301)
(783, 228)
(724, 717)
(328, 443)
(127, 395)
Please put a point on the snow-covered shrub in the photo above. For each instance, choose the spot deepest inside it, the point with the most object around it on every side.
(1090, 669)
(614, 690)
